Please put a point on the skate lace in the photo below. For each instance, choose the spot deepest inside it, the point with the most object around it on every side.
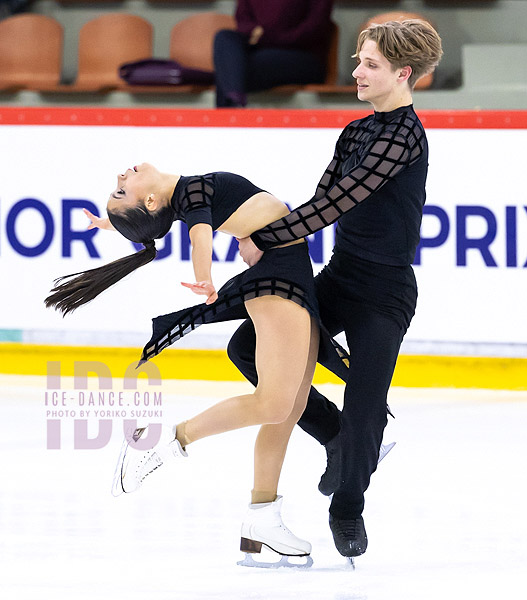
(148, 464)
(348, 528)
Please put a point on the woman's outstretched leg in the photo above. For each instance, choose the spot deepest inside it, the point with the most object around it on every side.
(283, 331)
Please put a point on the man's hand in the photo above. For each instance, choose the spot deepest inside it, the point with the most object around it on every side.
(98, 222)
(203, 288)
(250, 253)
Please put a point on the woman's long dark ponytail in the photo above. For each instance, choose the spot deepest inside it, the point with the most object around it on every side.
(138, 225)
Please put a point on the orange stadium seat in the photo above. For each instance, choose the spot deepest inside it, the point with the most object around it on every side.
(107, 42)
(30, 52)
(191, 40)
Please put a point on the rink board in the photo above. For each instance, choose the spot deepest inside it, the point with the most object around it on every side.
(470, 267)
(499, 373)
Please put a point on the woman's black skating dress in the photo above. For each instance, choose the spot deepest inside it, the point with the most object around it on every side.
(285, 272)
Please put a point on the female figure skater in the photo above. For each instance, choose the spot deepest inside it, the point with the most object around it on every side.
(277, 295)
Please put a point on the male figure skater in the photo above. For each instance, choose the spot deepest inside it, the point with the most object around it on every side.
(375, 189)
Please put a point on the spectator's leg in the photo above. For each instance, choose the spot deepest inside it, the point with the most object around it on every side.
(270, 67)
(230, 66)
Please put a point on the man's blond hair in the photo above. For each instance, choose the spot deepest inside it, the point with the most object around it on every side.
(411, 42)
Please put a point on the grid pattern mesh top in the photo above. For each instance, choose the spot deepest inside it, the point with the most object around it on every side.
(210, 198)
(192, 199)
(380, 158)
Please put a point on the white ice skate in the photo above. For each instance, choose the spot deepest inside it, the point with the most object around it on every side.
(263, 526)
(135, 464)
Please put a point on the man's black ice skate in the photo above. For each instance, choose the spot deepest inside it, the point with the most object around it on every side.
(330, 478)
(349, 536)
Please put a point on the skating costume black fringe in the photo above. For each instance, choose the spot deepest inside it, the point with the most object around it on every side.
(284, 272)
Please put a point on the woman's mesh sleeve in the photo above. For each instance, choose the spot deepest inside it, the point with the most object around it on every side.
(337, 194)
(196, 203)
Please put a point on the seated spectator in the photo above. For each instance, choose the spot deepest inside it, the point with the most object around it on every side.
(276, 42)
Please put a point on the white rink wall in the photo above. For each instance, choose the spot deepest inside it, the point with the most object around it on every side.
(470, 269)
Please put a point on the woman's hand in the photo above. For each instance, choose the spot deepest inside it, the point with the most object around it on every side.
(203, 288)
(98, 222)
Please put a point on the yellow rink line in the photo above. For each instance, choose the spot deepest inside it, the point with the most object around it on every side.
(411, 371)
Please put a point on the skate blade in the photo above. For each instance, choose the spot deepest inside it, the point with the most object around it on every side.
(385, 448)
(117, 485)
(284, 561)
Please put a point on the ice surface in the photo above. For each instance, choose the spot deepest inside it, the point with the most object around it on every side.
(445, 513)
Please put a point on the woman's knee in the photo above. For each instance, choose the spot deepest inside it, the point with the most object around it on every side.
(299, 408)
(274, 409)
